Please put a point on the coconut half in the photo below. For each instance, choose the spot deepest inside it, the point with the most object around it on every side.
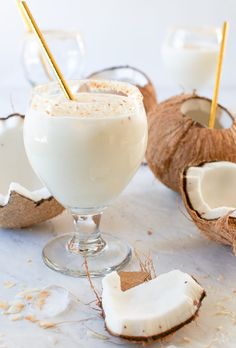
(24, 200)
(179, 137)
(132, 75)
(153, 309)
(209, 194)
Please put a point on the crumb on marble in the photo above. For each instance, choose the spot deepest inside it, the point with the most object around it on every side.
(16, 317)
(8, 284)
(4, 305)
(31, 318)
(149, 232)
(42, 298)
(15, 308)
(46, 324)
(28, 294)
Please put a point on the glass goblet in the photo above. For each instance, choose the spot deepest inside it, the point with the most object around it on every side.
(86, 152)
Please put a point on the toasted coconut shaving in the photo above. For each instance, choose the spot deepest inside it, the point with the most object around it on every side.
(47, 324)
(8, 284)
(42, 298)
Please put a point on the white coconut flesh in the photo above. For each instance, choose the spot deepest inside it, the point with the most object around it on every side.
(152, 308)
(125, 74)
(16, 172)
(198, 109)
(211, 189)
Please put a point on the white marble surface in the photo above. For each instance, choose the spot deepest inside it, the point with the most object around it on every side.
(174, 242)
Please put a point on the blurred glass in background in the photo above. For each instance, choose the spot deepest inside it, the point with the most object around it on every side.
(67, 48)
(190, 55)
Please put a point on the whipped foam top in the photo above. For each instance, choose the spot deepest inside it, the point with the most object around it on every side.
(93, 98)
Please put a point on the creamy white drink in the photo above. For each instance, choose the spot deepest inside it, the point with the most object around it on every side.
(190, 55)
(87, 150)
(191, 66)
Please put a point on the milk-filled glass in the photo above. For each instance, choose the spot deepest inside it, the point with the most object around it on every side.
(86, 151)
(190, 55)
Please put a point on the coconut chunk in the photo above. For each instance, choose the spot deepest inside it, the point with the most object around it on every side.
(211, 189)
(152, 309)
(209, 194)
(24, 200)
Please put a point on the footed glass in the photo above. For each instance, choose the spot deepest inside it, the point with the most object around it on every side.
(86, 151)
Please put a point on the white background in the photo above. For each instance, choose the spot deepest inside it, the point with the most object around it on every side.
(116, 31)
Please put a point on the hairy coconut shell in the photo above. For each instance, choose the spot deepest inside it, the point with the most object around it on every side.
(176, 141)
(221, 230)
(121, 73)
(23, 212)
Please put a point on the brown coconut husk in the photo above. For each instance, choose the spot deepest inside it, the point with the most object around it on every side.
(22, 212)
(221, 230)
(148, 90)
(176, 141)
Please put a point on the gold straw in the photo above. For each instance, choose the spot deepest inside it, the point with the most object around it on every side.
(25, 20)
(29, 30)
(34, 27)
(218, 76)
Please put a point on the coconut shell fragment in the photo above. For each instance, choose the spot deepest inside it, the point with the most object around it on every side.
(177, 140)
(23, 212)
(222, 228)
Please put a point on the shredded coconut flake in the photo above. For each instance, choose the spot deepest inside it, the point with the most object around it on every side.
(8, 284)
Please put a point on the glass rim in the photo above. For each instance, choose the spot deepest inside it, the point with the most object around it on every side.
(195, 28)
(55, 32)
(44, 99)
(124, 89)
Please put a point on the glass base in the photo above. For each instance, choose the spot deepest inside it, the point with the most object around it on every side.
(115, 255)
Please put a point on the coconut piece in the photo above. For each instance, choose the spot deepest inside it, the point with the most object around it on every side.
(179, 137)
(132, 75)
(209, 195)
(24, 201)
(153, 309)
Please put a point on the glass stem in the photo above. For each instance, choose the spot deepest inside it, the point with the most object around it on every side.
(87, 239)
